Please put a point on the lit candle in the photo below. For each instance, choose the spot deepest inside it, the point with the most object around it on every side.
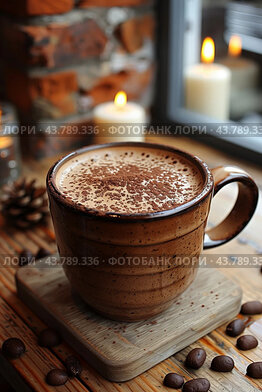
(245, 72)
(119, 120)
(245, 95)
(207, 85)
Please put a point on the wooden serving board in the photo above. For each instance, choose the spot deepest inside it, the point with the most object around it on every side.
(121, 351)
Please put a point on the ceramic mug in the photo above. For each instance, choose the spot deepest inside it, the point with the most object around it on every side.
(129, 290)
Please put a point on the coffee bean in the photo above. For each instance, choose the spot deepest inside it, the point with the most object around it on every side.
(196, 358)
(49, 338)
(13, 348)
(56, 377)
(42, 253)
(254, 370)
(251, 308)
(25, 258)
(235, 328)
(222, 363)
(197, 385)
(73, 366)
(173, 380)
(247, 342)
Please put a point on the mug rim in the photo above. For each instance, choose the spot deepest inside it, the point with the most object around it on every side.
(94, 214)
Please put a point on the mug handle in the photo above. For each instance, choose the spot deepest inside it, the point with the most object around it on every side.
(242, 211)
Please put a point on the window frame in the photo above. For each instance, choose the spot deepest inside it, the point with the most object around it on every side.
(168, 108)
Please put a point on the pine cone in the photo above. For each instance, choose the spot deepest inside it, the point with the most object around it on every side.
(23, 204)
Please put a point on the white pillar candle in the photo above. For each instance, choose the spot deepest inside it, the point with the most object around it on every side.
(119, 121)
(245, 72)
(245, 79)
(207, 85)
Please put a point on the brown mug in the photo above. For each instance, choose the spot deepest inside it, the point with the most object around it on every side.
(131, 290)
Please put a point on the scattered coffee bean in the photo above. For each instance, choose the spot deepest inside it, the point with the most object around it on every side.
(49, 338)
(73, 366)
(251, 308)
(222, 363)
(56, 377)
(235, 328)
(254, 370)
(42, 253)
(13, 348)
(197, 385)
(173, 380)
(196, 358)
(25, 257)
(247, 342)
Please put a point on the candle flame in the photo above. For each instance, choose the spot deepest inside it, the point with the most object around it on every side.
(235, 46)
(208, 51)
(120, 99)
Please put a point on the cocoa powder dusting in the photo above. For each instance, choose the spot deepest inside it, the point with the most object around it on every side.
(130, 181)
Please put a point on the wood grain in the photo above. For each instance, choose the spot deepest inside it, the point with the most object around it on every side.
(121, 351)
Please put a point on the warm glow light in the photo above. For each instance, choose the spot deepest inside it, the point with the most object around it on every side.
(235, 46)
(5, 141)
(120, 99)
(208, 50)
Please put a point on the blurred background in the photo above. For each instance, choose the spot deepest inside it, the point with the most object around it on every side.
(59, 60)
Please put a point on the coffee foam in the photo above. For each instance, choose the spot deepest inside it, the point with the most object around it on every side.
(129, 180)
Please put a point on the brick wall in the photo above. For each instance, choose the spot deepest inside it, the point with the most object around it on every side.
(61, 58)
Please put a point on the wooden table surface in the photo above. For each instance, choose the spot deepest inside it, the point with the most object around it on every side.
(16, 320)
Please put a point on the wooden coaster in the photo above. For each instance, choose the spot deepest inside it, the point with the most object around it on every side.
(121, 351)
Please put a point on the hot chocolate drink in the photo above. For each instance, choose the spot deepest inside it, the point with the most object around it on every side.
(129, 180)
(130, 223)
